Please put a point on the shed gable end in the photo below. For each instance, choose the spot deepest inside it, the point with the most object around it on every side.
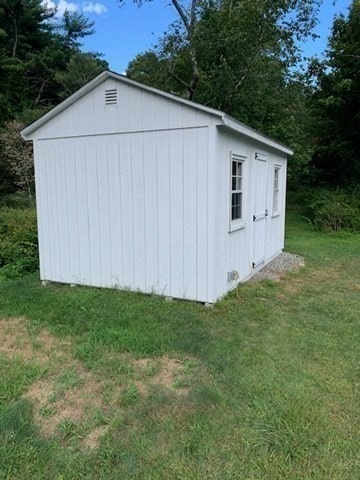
(119, 107)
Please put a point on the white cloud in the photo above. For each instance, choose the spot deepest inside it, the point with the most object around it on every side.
(63, 5)
(97, 8)
(48, 4)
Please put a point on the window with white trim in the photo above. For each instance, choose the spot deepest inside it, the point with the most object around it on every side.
(276, 190)
(237, 200)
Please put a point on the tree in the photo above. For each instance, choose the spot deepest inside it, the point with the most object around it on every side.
(81, 68)
(246, 54)
(336, 102)
(19, 156)
(40, 63)
(75, 26)
(24, 31)
(224, 42)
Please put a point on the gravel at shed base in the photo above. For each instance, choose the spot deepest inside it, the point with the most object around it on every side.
(284, 262)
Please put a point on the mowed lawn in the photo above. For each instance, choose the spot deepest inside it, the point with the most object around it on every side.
(101, 384)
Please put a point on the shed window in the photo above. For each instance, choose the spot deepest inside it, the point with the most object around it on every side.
(236, 204)
(276, 190)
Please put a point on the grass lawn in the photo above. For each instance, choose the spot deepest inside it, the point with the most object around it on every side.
(100, 384)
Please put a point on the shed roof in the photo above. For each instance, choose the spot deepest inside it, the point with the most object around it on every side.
(226, 120)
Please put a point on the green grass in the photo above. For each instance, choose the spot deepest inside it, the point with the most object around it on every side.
(271, 377)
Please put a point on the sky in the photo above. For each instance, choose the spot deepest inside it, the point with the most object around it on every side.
(123, 31)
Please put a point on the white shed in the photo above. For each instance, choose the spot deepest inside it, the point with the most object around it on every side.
(140, 189)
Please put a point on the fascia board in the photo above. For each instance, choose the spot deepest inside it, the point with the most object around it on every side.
(253, 134)
(27, 131)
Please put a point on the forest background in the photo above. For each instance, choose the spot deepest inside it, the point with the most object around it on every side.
(240, 56)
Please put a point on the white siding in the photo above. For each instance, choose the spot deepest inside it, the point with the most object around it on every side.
(137, 196)
(128, 211)
(235, 250)
(275, 233)
(137, 110)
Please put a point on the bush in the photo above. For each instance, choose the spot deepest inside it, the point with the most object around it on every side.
(18, 242)
(18, 200)
(331, 210)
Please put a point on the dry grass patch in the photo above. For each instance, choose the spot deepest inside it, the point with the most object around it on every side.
(68, 392)
(93, 439)
(55, 397)
(165, 371)
(75, 404)
(43, 349)
(312, 277)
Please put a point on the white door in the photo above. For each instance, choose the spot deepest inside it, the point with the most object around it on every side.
(260, 212)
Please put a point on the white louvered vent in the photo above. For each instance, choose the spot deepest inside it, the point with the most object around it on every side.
(111, 96)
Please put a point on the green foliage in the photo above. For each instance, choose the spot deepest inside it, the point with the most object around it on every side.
(333, 210)
(40, 63)
(81, 68)
(18, 242)
(19, 156)
(246, 54)
(337, 102)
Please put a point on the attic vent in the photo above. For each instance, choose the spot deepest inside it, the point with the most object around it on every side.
(111, 97)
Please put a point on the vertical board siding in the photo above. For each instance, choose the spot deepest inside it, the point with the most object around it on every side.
(115, 214)
(54, 237)
(136, 110)
(163, 205)
(190, 212)
(93, 213)
(83, 215)
(139, 210)
(62, 213)
(235, 250)
(176, 155)
(151, 216)
(127, 211)
(202, 169)
(72, 210)
(104, 210)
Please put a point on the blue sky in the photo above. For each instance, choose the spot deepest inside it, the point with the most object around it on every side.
(124, 31)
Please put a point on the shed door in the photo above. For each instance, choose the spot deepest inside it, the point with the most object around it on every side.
(259, 209)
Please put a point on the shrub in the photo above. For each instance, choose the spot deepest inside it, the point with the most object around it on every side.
(333, 210)
(18, 242)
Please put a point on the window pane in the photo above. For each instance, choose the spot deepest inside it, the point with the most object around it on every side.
(239, 183)
(276, 179)
(236, 183)
(238, 169)
(233, 187)
(236, 206)
(275, 206)
(236, 187)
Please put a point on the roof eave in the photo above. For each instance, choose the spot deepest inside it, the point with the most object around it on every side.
(239, 127)
(170, 96)
(27, 131)
(226, 120)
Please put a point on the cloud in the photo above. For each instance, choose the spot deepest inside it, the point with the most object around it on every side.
(63, 5)
(60, 7)
(97, 8)
(48, 4)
